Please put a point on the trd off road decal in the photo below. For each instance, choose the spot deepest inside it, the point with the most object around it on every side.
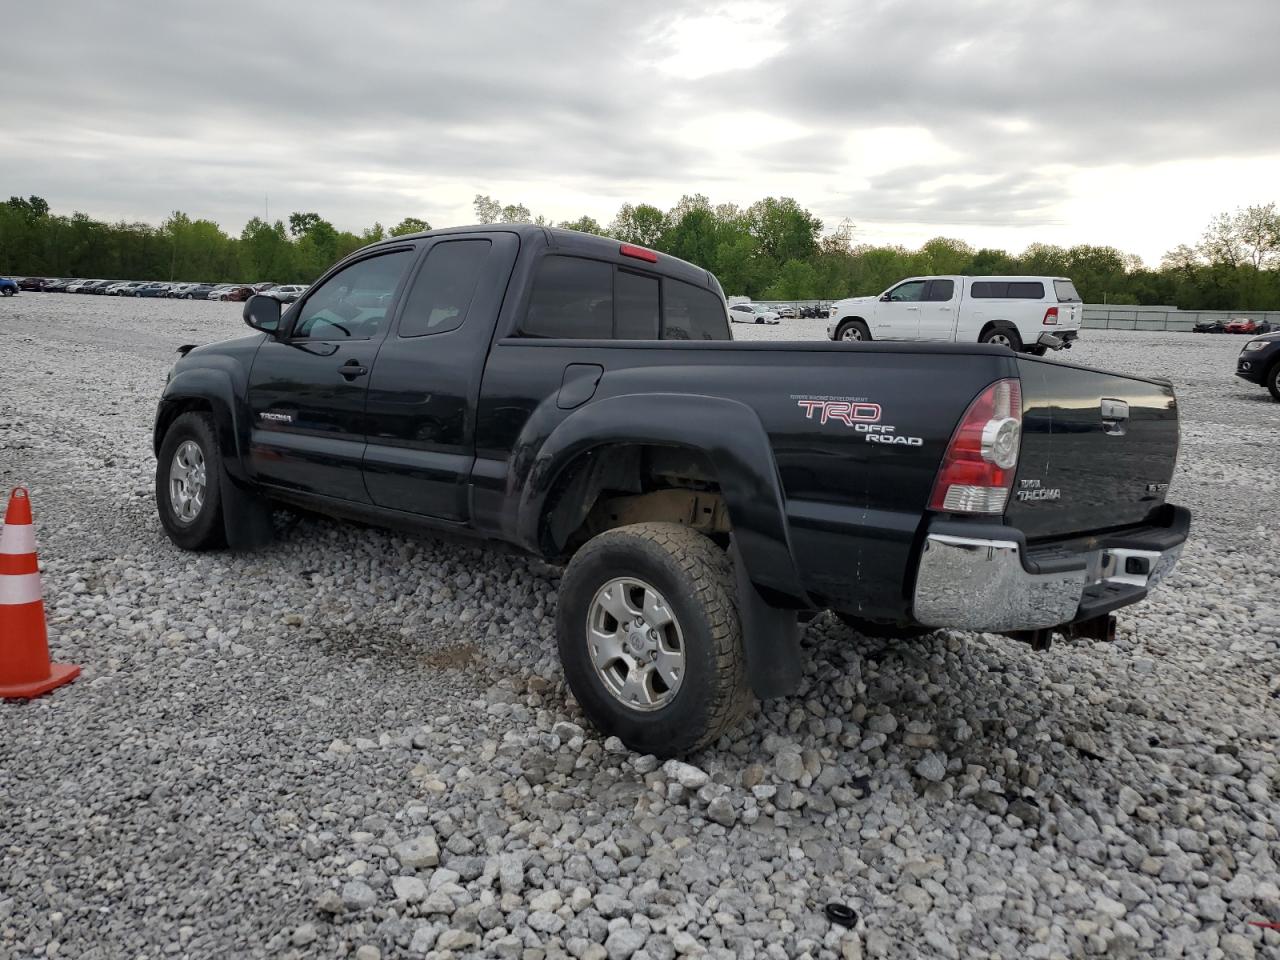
(857, 413)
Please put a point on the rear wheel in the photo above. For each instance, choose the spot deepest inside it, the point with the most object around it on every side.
(7, 291)
(1273, 380)
(188, 469)
(853, 330)
(1005, 336)
(650, 640)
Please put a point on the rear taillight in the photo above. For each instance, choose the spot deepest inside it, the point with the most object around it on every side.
(1051, 317)
(977, 470)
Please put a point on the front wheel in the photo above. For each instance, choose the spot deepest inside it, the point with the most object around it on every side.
(1005, 336)
(650, 640)
(1273, 381)
(853, 330)
(188, 497)
(7, 291)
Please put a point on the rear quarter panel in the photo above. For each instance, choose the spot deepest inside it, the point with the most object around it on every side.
(854, 504)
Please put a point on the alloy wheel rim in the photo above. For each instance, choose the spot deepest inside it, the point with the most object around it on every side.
(187, 482)
(635, 644)
(851, 333)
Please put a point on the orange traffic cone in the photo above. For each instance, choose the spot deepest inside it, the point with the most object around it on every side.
(25, 670)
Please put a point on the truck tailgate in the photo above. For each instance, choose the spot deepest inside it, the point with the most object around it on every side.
(1098, 449)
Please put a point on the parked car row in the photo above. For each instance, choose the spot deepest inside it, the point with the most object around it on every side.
(285, 293)
(786, 311)
(1240, 325)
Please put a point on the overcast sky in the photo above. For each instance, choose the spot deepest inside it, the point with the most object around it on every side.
(1001, 122)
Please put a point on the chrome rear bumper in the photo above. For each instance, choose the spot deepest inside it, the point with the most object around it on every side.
(979, 584)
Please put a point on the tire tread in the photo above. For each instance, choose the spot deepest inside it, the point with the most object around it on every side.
(709, 573)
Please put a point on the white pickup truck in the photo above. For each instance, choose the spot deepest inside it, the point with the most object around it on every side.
(1034, 314)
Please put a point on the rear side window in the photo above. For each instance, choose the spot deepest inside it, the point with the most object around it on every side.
(572, 298)
(442, 292)
(1026, 290)
(940, 291)
(636, 300)
(692, 313)
(1066, 291)
(1007, 290)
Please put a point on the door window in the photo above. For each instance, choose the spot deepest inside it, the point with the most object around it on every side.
(352, 304)
(910, 292)
(442, 291)
(940, 291)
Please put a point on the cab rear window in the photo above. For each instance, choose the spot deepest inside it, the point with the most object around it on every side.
(1066, 291)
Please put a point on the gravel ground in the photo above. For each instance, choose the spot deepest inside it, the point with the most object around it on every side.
(355, 744)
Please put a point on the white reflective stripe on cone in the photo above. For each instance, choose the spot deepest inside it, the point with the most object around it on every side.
(19, 588)
(18, 538)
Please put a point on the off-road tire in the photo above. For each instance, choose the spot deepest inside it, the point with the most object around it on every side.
(1015, 341)
(857, 327)
(696, 579)
(205, 531)
(883, 631)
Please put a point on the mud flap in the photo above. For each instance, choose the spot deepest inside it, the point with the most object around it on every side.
(770, 638)
(246, 518)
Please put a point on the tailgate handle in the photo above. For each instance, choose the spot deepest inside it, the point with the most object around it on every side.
(1115, 416)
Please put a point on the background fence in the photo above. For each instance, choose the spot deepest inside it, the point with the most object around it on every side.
(1110, 317)
(1165, 318)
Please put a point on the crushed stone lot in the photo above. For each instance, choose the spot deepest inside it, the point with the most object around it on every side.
(357, 744)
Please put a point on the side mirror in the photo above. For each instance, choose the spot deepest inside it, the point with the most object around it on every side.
(885, 298)
(263, 313)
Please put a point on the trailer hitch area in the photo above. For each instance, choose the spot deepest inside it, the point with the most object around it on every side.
(1095, 628)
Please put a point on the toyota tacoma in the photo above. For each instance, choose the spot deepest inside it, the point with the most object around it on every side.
(583, 400)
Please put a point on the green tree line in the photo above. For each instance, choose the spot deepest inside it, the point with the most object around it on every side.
(773, 249)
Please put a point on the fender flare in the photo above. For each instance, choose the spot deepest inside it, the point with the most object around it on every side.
(246, 517)
(215, 387)
(729, 433)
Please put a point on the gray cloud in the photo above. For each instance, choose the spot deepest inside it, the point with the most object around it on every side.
(384, 109)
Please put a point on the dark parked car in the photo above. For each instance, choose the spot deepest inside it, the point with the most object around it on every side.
(153, 289)
(8, 287)
(32, 283)
(1210, 326)
(583, 400)
(196, 291)
(57, 286)
(238, 294)
(1259, 362)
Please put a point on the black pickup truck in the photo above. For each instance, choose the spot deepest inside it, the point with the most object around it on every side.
(583, 400)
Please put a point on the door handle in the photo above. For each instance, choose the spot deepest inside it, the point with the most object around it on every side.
(352, 369)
